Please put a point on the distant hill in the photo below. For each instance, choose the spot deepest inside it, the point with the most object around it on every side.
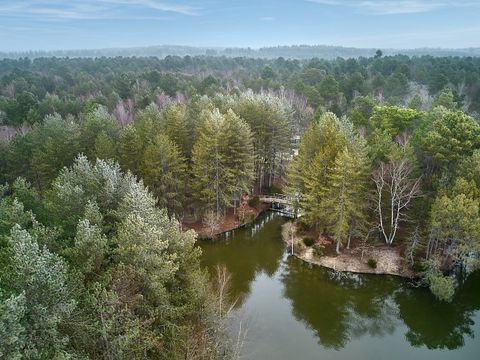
(291, 52)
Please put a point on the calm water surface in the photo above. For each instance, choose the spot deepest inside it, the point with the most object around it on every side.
(295, 311)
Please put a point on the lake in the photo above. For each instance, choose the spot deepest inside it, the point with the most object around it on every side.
(293, 310)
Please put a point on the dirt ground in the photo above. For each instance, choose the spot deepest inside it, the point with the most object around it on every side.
(227, 223)
(389, 259)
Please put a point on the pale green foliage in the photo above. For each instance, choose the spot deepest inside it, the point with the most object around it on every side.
(238, 149)
(13, 212)
(103, 183)
(42, 279)
(452, 137)
(393, 119)
(446, 99)
(156, 258)
(322, 141)
(469, 168)
(207, 163)
(380, 145)
(90, 246)
(143, 243)
(139, 283)
(12, 332)
(120, 333)
(455, 228)
(387, 126)
(442, 287)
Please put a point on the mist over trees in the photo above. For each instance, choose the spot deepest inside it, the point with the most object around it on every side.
(272, 52)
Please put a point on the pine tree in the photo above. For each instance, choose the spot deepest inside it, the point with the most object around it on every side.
(164, 171)
(309, 174)
(104, 147)
(345, 200)
(130, 149)
(207, 158)
(176, 125)
(222, 160)
(42, 299)
(237, 147)
(270, 120)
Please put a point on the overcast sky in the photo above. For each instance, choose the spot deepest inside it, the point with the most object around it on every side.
(87, 24)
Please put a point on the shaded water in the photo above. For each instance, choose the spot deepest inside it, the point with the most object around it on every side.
(295, 311)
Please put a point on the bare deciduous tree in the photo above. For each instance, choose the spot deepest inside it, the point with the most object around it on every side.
(395, 190)
(124, 112)
(211, 223)
(288, 232)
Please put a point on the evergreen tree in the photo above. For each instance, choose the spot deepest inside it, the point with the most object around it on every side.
(56, 145)
(208, 160)
(222, 160)
(178, 127)
(237, 144)
(130, 149)
(451, 137)
(345, 199)
(99, 132)
(103, 147)
(164, 171)
(309, 175)
(270, 121)
(41, 300)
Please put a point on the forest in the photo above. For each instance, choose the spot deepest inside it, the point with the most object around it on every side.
(269, 52)
(104, 160)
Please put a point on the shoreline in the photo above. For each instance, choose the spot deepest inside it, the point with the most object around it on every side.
(388, 259)
(227, 224)
(332, 263)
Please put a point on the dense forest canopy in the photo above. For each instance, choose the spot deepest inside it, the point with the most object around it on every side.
(63, 85)
(103, 159)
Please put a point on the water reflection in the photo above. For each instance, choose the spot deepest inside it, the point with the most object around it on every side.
(247, 252)
(439, 325)
(337, 309)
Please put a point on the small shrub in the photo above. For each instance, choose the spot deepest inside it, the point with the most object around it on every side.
(372, 263)
(254, 202)
(443, 287)
(418, 266)
(318, 250)
(308, 241)
(249, 218)
(302, 227)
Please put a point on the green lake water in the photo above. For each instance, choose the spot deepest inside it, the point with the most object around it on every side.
(295, 311)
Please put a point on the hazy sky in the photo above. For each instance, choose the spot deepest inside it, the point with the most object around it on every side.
(74, 24)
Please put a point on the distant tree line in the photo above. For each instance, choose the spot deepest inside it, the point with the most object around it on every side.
(270, 52)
